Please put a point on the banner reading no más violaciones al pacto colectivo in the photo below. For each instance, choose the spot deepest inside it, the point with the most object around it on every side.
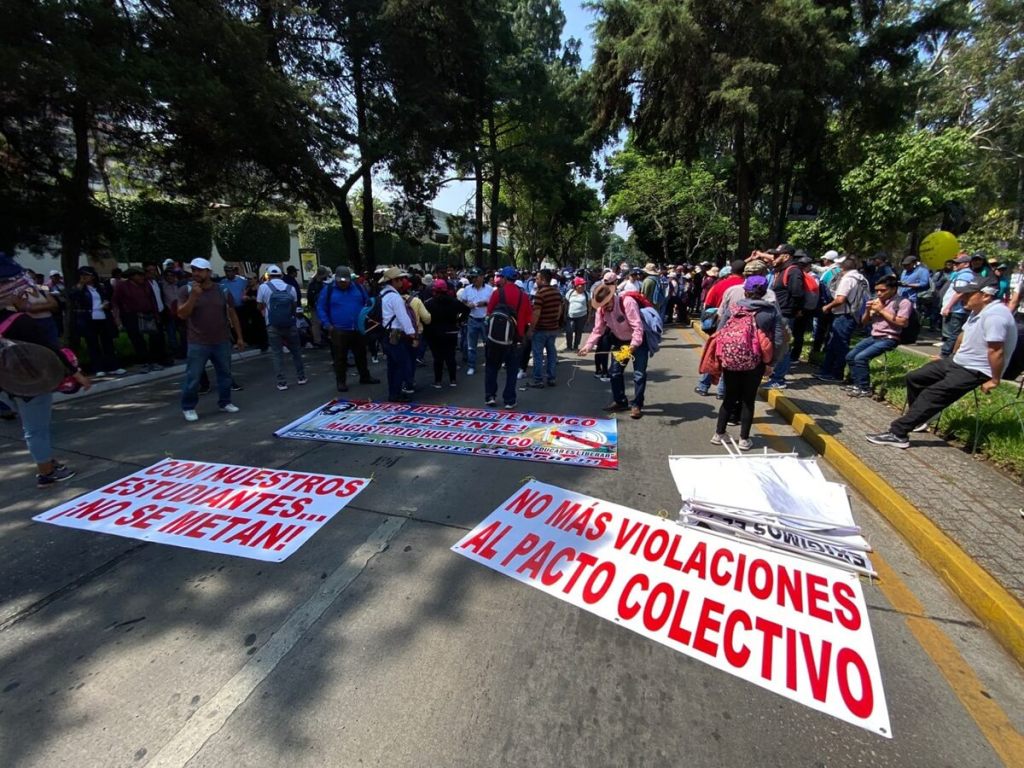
(573, 440)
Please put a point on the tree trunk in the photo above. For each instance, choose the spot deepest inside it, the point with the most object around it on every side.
(783, 214)
(478, 214)
(76, 193)
(492, 138)
(1020, 200)
(358, 86)
(339, 199)
(742, 193)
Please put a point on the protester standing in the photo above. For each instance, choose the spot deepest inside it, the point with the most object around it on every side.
(577, 312)
(90, 302)
(278, 300)
(510, 296)
(545, 321)
(136, 312)
(400, 336)
(316, 286)
(954, 311)
(338, 307)
(475, 296)
(209, 316)
(847, 307)
(442, 334)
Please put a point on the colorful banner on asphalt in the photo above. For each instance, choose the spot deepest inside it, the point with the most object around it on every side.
(574, 440)
(263, 514)
(792, 626)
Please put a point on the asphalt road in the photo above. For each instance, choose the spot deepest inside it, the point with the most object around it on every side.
(374, 645)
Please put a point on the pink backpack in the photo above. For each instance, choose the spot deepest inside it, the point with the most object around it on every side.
(739, 348)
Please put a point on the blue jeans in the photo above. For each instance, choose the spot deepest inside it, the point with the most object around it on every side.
(838, 346)
(704, 384)
(617, 372)
(474, 334)
(544, 341)
(861, 355)
(951, 326)
(35, 415)
(195, 360)
(400, 366)
(786, 361)
(495, 357)
(278, 337)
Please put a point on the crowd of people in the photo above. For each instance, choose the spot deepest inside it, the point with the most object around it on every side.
(760, 312)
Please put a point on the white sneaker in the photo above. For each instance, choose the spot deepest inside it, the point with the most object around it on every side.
(745, 445)
(120, 372)
(718, 439)
(470, 371)
(375, 359)
(230, 408)
(190, 415)
(99, 374)
(521, 375)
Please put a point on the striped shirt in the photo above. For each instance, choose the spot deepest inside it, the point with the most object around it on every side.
(549, 301)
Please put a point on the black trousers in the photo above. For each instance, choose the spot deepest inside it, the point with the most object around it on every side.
(442, 349)
(151, 353)
(800, 326)
(341, 343)
(740, 394)
(931, 388)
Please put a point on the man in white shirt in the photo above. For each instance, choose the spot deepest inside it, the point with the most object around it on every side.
(475, 296)
(277, 301)
(982, 352)
(400, 337)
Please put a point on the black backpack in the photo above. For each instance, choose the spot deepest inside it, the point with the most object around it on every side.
(1016, 365)
(500, 326)
(910, 332)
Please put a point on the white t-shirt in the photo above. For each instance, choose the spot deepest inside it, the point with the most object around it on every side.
(577, 303)
(994, 323)
(264, 291)
(854, 286)
(97, 304)
(471, 295)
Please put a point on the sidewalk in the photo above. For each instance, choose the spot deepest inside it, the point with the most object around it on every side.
(974, 504)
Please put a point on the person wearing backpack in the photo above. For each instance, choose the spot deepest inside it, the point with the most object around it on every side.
(28, 389)
(619, 316)
(789, 295)
(505, 326)
(982, 357)
(747, 342)
(338, 307)
(847, 308)
(278, 301)
(400, 337)
(887, 314)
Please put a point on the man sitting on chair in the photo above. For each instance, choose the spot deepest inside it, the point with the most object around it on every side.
(981, 354)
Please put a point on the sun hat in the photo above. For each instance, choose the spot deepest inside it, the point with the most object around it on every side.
(601, 295)
(651, 268)
(392, 274)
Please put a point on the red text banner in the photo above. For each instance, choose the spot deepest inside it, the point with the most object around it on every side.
(795, 627)
(263, 514)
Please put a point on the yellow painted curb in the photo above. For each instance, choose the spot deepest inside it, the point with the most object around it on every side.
(998, 610)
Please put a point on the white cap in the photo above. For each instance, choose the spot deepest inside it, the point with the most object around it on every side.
(54, 273)
(839, 259)
(830, 256)
(272, 270)
(168, 262)
(200, 264)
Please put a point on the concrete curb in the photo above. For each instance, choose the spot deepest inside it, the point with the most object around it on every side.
(998, 610)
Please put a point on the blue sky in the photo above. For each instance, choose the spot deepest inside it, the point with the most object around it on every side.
(454, 197)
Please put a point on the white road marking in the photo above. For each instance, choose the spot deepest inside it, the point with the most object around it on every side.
(208, 719)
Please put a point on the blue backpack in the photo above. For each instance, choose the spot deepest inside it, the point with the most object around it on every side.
(281, 307)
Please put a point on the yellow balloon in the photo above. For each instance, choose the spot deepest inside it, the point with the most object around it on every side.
(938, 248)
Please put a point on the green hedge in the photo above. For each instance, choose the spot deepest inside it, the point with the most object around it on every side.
(153, 230)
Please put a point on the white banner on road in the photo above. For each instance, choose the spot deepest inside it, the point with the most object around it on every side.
(263, 514)
(793, 626)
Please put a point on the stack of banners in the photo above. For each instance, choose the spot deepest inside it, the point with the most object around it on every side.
(263, 514)
(574, 440)
(776, 500)
(793, 626)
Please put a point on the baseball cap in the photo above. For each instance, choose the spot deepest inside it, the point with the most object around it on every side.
(581, 281)
(57, 273)
(963, 258)
(988, 285)
(830, 255)
(805, 259)
(908, 260)
(343, 273)
(509, 273)
(755, 284)
(440, 285)
(754, 267)
(273, 270)
(200, 263)
(784, 248)
(88, 271)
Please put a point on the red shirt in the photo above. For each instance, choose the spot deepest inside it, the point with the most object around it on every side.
(518, 300)
(714, 297)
